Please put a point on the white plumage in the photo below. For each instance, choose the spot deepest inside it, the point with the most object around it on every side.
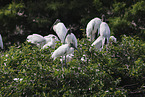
(1, 42)
(51, 43)
(18, 79)
(71, 38)
(112, 38)
(99, 42)
(49, 37)
(92, 27)
(36, 39)
(60, 30)
(105, 31)
(63, 50)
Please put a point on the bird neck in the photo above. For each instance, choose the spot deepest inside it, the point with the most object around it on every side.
(103, 18)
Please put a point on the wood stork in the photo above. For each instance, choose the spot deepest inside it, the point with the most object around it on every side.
(105, 31)
(60, 30)
(70, 38)
(99, 43)
(50, 43)
(63, 50)
(36, 39)
(1, 42)
(92, 27)
(49, 37)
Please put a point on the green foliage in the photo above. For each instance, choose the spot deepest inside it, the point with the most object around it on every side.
(115, 72)
(120, 26)
(118, 71)
(127, 18)
(137, 12)
(119, 8)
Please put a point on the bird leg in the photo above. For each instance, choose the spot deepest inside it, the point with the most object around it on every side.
(62, 61)
(107, 44)
(106, 47)
(65, 61)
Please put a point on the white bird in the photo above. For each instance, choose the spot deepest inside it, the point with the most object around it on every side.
(99, 43)
(36, 39)
(1, 42)
(92, 27)
(49, 37)
(112, 38)
(60, 30)
(105, 31)
(51, 43)
(63, 50)
(70, 38)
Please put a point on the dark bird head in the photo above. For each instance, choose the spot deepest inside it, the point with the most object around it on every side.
(69, 31)
(57, 21)
(53, 36)
(103, 18)
(72, 45)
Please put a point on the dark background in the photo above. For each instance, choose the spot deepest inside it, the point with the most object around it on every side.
(20, 18)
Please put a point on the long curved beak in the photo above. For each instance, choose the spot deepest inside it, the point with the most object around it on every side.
(57, 20)
(51, 27)
(75, 48)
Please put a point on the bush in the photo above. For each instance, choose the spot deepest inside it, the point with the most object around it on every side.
(117, 71)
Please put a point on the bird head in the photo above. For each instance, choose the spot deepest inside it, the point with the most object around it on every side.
(103, 18)
(69, 31)
(72, 45)
(57, 21)
(53, 36)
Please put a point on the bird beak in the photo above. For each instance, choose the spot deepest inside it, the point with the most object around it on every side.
(54, 23)
(75, 48)
(51, 27)
(103, 18)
